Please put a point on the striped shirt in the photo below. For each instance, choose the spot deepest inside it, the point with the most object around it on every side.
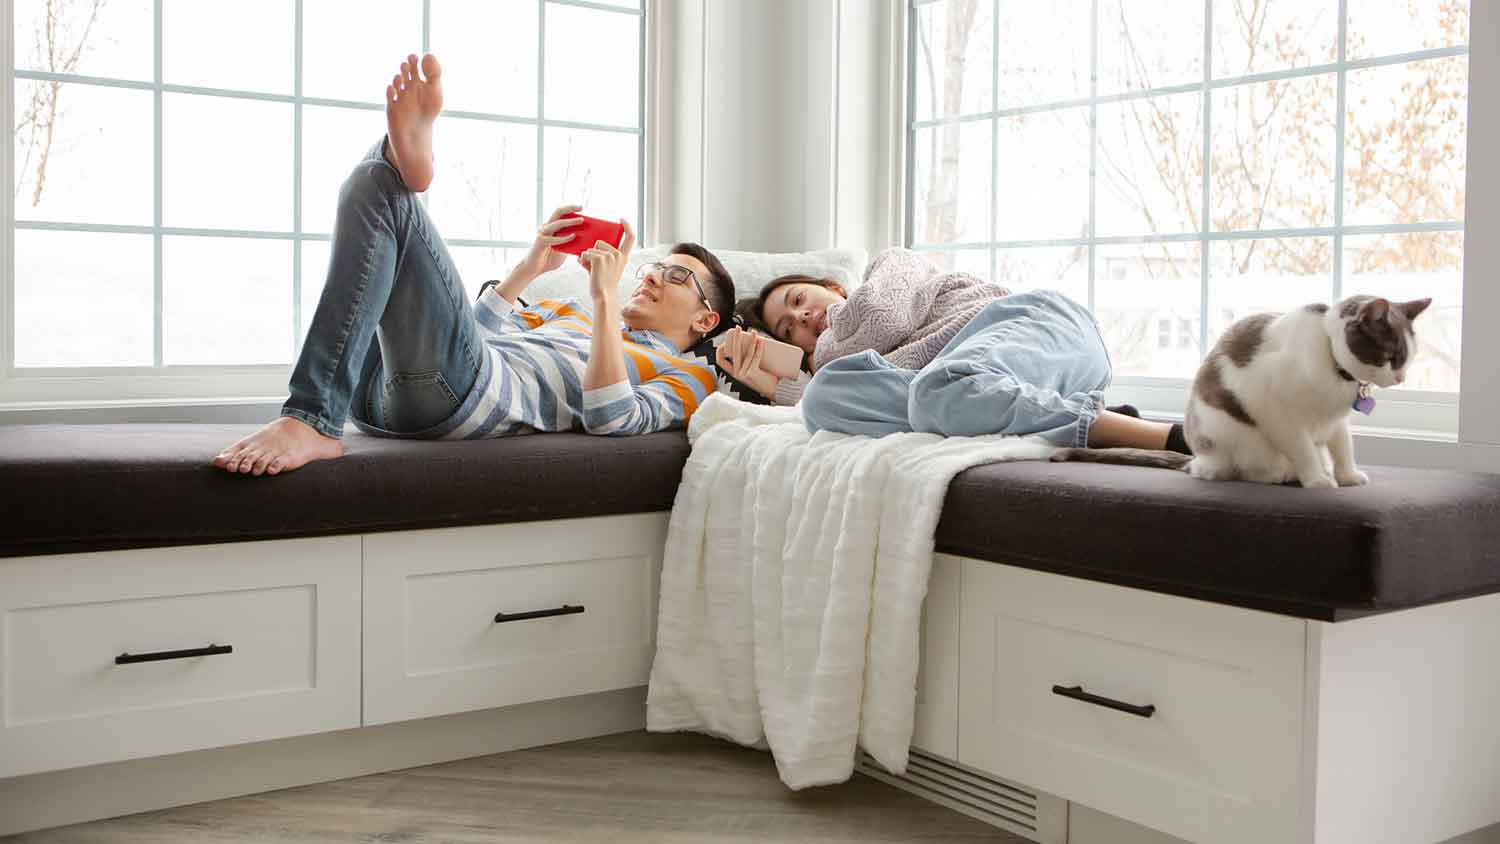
(531, 377)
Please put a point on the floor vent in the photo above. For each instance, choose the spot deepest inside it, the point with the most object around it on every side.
(1008, 805)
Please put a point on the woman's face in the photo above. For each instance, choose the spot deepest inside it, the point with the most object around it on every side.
(797, 313)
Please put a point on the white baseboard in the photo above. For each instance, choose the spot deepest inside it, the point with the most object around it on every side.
(57, 798)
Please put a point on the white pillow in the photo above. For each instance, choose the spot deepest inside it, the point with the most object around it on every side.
(750, 271)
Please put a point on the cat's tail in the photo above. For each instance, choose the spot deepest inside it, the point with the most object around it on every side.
(1150, 458)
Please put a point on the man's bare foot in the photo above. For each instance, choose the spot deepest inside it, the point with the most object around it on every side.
(412, 103)
(281, 446)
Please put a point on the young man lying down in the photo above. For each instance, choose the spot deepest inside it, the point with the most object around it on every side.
(440, 368)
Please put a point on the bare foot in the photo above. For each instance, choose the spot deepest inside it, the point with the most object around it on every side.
(281, 446)
(412, 104)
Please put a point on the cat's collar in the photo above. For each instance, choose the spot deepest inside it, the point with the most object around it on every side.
(1363, 401)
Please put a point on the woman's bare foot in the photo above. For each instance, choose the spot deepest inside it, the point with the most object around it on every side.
(412, 103)
(281, 446)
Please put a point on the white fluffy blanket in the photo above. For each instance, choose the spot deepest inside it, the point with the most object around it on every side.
(792, 585)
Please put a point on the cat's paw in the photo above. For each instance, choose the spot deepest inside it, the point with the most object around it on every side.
(1354, 478)
(1319, 482)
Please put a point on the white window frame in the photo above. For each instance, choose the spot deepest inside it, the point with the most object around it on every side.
(107, 393)
(1429, 413)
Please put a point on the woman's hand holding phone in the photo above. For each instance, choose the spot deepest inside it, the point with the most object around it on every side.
(741, 355)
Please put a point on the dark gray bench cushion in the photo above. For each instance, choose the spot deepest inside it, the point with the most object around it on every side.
(97, 487)
(1411, 537)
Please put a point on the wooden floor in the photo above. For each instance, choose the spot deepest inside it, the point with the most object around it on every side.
(628, 788)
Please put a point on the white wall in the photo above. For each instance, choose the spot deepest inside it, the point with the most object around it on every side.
(771, 135)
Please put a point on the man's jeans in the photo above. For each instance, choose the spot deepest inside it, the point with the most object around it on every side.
(390, 278)
(1030, 363)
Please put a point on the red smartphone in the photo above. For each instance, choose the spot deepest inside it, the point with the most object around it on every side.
(589, 232)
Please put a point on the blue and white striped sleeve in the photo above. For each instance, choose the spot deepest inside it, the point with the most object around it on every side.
(659, 404)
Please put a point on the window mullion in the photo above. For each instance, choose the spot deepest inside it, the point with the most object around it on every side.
(1208, 160)
(8, 60)
(994, 136)
(297, 179)
(156, 221)
(1093, 146)
(1338, 158)
(541, 102)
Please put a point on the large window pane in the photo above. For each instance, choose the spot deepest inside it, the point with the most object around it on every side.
(489, 55)
(594, 169)
(1146, 44)
(314, 257)
(83, 299)
(1146, 299)
(1405, 139)
(1273, 275)
(352, 48)
(1064, 268)
(333, 141)
(973, 261)
(86, 37)
(952, 193)
(1273, 146)
(593, 66)
(83, 153)
(259, 56)
(1260, 36)
(954, 62)
(1150, 166)
(1043, 181)
(478, 264)
(1388, 27)
(1402, 267)
(1044, 52)
(226, 163)
(485, 186)
(226, 301)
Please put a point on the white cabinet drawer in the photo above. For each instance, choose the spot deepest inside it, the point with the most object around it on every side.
(434, 645)
(1219, 758)
(107, 656)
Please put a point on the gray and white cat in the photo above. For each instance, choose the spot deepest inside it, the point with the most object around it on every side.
(1271, 402)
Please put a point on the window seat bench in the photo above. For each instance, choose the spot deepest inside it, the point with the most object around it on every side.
(1291, 665)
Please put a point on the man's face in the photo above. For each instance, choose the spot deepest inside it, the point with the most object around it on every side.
(660, 305)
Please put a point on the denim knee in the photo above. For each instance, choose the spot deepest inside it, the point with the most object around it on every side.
(927, 404)
(371, 182)
(817, 406)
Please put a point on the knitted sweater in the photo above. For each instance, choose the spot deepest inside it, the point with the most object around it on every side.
(907, 310)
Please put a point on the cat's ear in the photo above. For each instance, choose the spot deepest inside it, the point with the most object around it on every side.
(1414, 308)
(1374, 310)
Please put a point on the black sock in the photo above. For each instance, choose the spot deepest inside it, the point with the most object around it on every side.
(1177, 441)
(1126, 409)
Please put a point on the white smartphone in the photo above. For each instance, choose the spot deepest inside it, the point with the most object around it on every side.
(780, 359)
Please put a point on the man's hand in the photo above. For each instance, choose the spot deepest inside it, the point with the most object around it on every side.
(740, 355)
(541, 258)
(606, 264)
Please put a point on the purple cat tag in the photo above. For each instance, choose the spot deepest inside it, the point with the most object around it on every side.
(1365, 403)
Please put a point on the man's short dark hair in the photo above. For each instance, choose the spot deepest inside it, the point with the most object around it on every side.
(719, 290)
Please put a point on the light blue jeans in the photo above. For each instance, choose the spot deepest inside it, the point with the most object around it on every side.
(1029, 363)
(390, 280)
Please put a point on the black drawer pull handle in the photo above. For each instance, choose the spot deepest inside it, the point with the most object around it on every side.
(1077, 693)
(211, 650)
(565, 609)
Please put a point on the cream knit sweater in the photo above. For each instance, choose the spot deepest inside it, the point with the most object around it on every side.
(906, 310)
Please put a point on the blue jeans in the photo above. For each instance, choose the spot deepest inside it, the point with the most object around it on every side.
(391, 279)
(1030, 363)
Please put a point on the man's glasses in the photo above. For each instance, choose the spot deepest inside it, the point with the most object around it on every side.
(675, 274)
